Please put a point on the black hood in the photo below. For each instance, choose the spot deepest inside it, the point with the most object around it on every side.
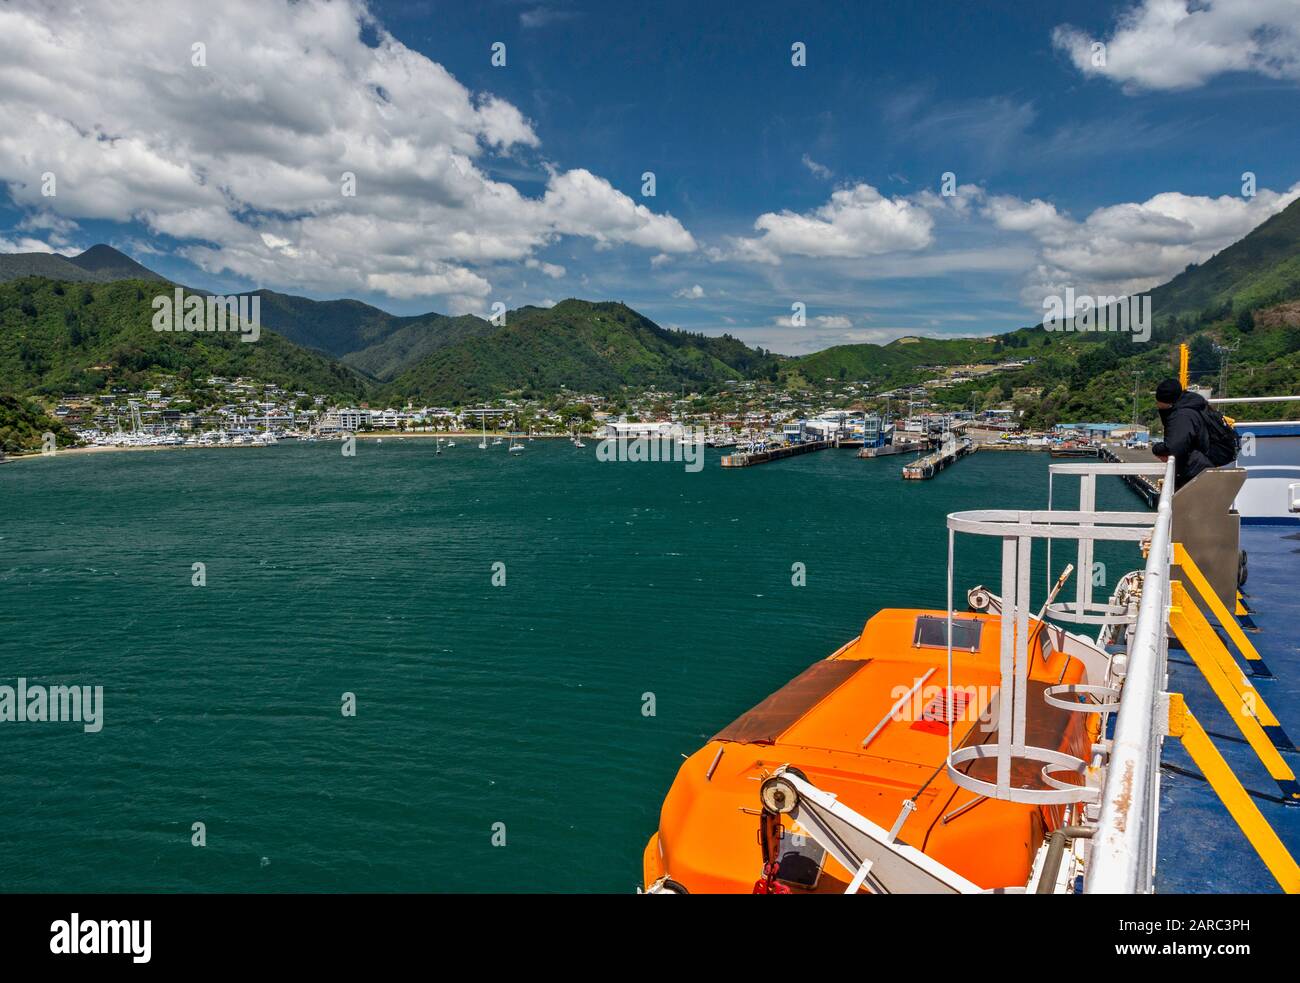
(1187, 401)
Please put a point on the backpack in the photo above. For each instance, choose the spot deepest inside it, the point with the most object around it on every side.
(1222, 442)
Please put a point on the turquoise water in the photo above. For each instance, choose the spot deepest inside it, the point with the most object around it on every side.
(476, 704)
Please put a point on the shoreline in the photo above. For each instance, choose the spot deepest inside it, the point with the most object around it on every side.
(98, 449)
(366, 435)
(458, 435)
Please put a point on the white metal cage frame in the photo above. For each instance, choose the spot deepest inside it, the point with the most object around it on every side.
(1018, 529)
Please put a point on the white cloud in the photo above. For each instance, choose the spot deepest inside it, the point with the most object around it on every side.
(542, 16)
(449, 281)
(690, 293)
(817, 170)
(579, 203)
(25, 244)
(1036, 216)
(959, 204)
(856, 222)
(242, 160)
(833, 321)
(1130, 247)
(1181, 44)
(553, 270)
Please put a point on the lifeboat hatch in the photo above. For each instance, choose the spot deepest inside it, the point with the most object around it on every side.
(932, 633)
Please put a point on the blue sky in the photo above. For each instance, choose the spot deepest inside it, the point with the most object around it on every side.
(775, 184)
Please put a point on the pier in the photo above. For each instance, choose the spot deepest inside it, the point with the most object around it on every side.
(897, 447)
(934, 462)
(775, 453)
(1011, 448)
(1142, 484)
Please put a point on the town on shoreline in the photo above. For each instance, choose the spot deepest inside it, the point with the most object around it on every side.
(748, 414)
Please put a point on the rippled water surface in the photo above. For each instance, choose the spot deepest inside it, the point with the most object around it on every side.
(519, 704)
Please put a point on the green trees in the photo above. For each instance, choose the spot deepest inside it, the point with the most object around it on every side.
(1092, 363)
(52, 339)
(22, 424)
(1201, 357)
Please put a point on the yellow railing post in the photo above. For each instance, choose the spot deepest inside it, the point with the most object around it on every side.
(1265, 842)
(1243, 703)
(1183, 559)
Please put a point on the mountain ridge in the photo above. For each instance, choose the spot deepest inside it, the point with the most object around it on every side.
(604, 346)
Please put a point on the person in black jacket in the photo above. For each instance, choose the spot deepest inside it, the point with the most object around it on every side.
(1181, 412)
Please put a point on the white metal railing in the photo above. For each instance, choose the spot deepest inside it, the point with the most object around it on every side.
(1124, 846)
(1254, 399)
(1083, 610)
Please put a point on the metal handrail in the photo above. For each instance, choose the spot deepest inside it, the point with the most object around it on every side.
(1124, 847)
(1254, 399)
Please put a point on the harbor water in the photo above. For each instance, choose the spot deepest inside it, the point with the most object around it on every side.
(533, 642)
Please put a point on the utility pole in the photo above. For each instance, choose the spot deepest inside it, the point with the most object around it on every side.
(1224, 352)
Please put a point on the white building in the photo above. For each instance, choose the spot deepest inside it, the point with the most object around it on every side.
(344, 418)
(633, 431)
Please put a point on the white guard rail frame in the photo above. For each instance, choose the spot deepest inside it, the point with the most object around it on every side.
(1124, 847)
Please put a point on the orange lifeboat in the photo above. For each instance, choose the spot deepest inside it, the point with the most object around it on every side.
(868, 730)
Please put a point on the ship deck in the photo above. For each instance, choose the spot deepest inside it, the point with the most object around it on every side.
(1201, 850)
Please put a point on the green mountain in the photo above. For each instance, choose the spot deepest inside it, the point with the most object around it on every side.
(1236, 312)
(880, 362)
(1257, 271)
(908, 361)
(98, 264)
(57, 338)
(375, 343)
(60, 333)
(335, 327)
(577, 345)
(49, 265)
(107, 264)
(415, 339)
